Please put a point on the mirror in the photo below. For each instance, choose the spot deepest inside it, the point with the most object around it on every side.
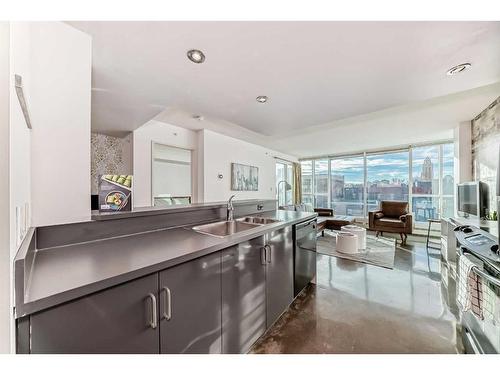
(170, 175)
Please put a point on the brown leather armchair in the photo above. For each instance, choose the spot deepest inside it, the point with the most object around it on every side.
(392, 217)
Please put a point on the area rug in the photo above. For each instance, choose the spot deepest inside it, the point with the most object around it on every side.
(379, 251)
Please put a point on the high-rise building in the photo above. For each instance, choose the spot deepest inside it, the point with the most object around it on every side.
(337, 185)
(427, 170)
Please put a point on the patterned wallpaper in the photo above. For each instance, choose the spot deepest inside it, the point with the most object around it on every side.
(109, 155)
(485, 143)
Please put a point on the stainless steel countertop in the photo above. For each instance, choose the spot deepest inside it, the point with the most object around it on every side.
(63, 273)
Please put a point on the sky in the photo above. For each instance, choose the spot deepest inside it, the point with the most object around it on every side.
(389, 165)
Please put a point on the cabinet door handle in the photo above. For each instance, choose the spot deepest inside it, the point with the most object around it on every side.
(268, 258)
(153, 319)
(167, 303)
(263, 255)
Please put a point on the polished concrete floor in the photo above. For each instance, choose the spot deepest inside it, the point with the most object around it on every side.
(360, 308)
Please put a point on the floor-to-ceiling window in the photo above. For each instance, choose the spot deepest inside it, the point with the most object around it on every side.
(291, 182)
(448, 181)
(432, 182)
(307, 182)
(347, 185)
(321, 183)
(425, 187)
(355, 184)
(284, 183)
(387, 177)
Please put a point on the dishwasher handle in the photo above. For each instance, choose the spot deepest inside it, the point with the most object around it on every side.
(306, 224)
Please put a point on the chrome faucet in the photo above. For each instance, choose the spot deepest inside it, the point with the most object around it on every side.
(230, 209)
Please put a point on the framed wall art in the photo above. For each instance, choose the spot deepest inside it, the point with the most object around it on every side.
(244, 177)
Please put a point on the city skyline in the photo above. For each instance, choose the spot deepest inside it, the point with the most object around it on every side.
(387, 179)
(388, 166)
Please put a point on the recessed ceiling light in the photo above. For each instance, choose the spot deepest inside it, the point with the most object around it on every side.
(262, 98)
(196, 56)
(458, 69)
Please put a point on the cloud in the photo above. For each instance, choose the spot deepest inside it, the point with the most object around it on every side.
(385, 166)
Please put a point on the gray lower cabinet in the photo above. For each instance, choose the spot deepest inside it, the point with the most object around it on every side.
(222, 302)
(243, 295)
(279, 273)
(190, 306)
(117, 320)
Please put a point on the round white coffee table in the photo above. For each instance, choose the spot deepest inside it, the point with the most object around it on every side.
(358, 231)
(347, 242)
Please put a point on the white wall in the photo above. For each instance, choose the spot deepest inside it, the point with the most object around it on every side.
(60, 66)
(19, 148)
(219, 151)
(51, 163)
(5, 264)
(49, 166)
(20, 135)
(158, 132)
(212, 154)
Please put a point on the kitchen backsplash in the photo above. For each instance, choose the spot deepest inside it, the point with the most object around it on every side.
(485, 141)
(109, 155)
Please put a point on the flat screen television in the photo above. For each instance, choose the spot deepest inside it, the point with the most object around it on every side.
(472, 199)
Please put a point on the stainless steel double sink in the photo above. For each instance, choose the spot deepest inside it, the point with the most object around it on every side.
(227, 228)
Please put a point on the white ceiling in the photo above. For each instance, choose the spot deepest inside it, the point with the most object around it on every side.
(428, 121)
(314, 72)
(419, 122)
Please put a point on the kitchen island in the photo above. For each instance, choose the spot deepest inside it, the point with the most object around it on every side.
(169, 289)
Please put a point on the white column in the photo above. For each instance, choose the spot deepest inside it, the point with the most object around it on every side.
(462, 135)
(60, 59)
(6, 319)
(200, 167)
(463, 152)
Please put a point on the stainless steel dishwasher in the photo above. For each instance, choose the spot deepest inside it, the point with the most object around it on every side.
(304, 255)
